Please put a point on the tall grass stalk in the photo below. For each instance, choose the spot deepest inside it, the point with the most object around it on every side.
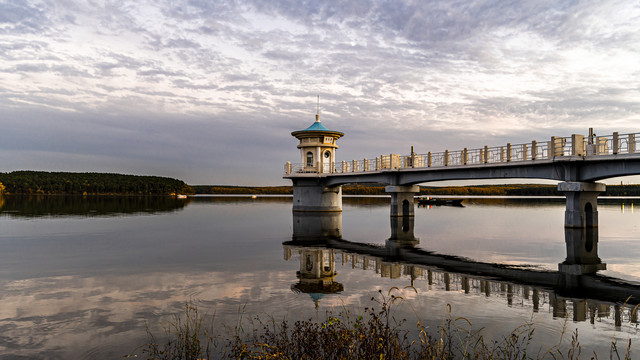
(375, 333)
(189, 337)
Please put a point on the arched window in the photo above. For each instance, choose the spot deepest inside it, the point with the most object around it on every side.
(309, 263)
(309, 158)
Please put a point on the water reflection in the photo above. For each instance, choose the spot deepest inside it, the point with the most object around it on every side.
(88, 206)
(85, 286)
(574, 291)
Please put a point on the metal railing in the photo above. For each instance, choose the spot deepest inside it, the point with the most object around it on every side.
(575, 145)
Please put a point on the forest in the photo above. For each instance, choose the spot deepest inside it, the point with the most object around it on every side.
(41, 182)
(378, 189)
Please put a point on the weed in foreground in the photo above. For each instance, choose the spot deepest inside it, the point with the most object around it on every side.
(373, 334)
(188, 337)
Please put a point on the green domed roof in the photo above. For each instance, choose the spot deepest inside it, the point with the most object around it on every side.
(317, 126)
(318, 129)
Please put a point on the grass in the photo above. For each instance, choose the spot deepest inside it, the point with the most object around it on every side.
(373, 334)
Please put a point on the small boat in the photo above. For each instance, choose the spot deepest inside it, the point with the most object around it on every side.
(440, 202)
(180, 196)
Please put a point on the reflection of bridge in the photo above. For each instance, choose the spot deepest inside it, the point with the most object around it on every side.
(317, 240)
(576, 161)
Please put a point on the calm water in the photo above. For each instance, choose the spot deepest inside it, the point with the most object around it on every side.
(80, 278)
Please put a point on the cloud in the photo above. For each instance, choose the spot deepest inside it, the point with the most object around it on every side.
(245, 71)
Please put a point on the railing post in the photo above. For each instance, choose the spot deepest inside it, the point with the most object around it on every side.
(287, 168)
(601, 145)
(486, 154)
(534, 150)
(465, 156)
(616, 143)
(365, 164)
(395, 161)
(556, 147)
(501, 153)
(445, 160)
(632, 143)
(344, 166)
(354, 166)
(577, 145)
(525, 155)
(429, 159)
(508, 152)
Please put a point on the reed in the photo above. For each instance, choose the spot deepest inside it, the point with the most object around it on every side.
(375, 333)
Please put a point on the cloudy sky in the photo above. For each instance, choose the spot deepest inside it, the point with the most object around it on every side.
(209, 91)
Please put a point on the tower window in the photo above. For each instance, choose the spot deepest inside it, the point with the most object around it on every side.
(327, 154)
(309, 158)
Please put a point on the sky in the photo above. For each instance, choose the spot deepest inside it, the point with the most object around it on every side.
(209, 91)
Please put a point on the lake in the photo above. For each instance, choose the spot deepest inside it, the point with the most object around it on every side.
(83, 277)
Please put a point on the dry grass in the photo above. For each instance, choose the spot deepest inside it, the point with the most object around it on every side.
(373, 334)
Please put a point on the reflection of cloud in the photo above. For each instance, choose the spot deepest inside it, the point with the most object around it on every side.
(75, 314)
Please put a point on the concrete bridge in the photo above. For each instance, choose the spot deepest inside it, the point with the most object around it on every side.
(577, 162)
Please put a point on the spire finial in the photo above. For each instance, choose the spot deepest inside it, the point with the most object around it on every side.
(318, 111)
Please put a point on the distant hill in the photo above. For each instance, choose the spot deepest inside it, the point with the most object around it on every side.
(42, 182)
(478, 190)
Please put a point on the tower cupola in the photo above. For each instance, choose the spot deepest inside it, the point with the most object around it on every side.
(317, 147)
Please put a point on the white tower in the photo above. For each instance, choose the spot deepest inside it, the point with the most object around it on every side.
(317, 147)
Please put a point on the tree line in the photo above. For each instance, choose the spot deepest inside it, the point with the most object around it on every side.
(42, 182)
(377, 189)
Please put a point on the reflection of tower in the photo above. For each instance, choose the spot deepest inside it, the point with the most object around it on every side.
(317, 273)
(310, 226)
(582, 252)
(317, 265)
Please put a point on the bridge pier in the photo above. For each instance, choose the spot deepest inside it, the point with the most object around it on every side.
(402, 203)
(313, 196)
(582, 203)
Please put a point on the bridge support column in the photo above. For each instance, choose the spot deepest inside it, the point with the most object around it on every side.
(313, 196)
(402, 203)
(582, 203)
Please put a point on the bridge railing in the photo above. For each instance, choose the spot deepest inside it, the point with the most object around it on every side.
(575, 145)
(613, 144)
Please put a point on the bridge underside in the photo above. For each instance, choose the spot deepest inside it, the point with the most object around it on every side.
(568, 168)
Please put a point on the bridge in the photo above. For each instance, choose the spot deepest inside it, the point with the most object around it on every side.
(576, 161)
